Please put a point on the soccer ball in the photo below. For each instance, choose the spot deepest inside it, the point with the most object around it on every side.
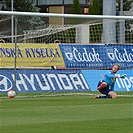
(11, 93)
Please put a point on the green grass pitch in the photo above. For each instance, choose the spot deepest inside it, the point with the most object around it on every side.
(66, 114)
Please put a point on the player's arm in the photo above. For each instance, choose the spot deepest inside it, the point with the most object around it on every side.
(120, 76)
(117, 76)
(110, 75)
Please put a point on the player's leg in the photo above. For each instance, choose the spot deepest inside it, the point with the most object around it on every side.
(104, 91)
(112, 94)
(101, 85)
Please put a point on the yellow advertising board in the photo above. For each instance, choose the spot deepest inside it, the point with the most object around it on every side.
(30, 55)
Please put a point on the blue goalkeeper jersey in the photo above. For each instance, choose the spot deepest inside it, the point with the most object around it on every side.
(109, 79)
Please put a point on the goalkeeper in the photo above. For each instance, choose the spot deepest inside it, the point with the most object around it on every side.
(106, 84)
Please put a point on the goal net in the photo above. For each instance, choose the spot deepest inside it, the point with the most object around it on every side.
(63, 54)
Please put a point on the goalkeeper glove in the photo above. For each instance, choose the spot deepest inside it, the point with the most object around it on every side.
(123, 76)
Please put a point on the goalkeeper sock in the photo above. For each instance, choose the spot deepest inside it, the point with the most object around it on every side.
(101, 86)
(104, 97)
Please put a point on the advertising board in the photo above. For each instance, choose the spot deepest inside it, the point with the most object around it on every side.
(30, 55)
(59, 80)
(97, 56)
(43, 81)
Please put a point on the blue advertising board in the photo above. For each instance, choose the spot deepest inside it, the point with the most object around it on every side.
(97, 56)
(59, 80)
(43, 81)
(93, 76)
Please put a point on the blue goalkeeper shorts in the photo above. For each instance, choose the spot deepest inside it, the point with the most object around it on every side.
(104, 90)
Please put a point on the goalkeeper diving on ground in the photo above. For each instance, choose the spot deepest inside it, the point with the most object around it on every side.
(106, 84)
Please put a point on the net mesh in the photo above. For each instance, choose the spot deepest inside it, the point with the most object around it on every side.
(30, 32)
(40, 30)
